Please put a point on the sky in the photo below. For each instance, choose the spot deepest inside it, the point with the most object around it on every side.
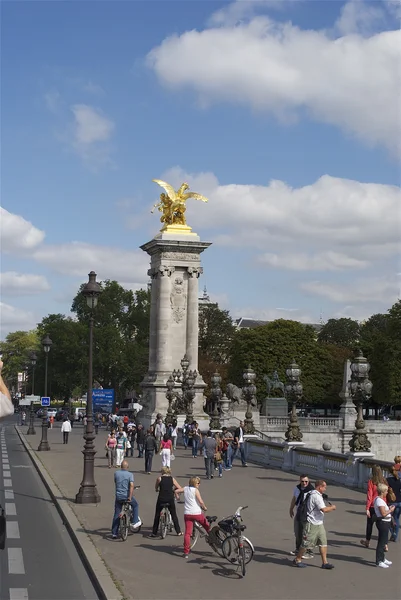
(285, 114)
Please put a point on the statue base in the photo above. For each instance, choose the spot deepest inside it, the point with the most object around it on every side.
(174, 232)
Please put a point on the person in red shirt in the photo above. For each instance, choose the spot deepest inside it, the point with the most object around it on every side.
(126, 421)
(371, 495)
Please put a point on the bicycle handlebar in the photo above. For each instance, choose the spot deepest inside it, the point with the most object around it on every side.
(238, 511)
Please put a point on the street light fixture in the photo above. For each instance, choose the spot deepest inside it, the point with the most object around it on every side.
(31, 428)
(294, 391)
(88, 493)
(187, 380)
(249, 393)
(170, 395)
(44, 444)
(215, 394)
(361, 390)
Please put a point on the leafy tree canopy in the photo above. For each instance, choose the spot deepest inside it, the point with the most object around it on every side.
(216, 334)
(16, 349)
(340, 332)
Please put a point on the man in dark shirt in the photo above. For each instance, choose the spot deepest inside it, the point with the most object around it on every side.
(124, 482)
(140, 440)
(209, 450)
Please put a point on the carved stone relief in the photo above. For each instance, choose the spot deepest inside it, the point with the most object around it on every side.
(180, 256)
(178, 300)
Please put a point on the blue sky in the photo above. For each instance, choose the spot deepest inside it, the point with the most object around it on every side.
(285, 114)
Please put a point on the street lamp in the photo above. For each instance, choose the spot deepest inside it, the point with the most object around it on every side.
(361, 390)
(88, 493)
(31, 428)
(187, 380)
(294, 391)
(249, 393)
(215, 394)
(44, 444)
(170, 395)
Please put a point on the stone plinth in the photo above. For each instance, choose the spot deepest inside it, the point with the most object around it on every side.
(274, 407)
(174, 270)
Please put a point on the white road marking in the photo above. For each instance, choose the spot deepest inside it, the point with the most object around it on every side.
(12, 530)
(18, 594)
(15, 562)
(22, 467)
(8, 495)
(6, 473)
(7, 483)
(11, 509)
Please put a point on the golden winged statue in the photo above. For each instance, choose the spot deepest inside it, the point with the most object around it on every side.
(172, 204)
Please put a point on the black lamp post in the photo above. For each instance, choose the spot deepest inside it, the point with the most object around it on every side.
(361, 390)
(294, 391)
(170, 395)
(44, 444)
(187, 380)
(31, 428)
(215, 394)
(88, 493)
(249, 393)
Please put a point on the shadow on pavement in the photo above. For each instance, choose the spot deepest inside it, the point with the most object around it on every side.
(348, 501)
(355, 535)
(285, 480)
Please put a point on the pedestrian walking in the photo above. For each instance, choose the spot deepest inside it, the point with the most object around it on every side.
(51, 421)
(140, 440)
(394, 483)
(196, 438)
(23, 417)
(383, 523)
(227, 448)
(111, 447)
(150, 449)
(209, 448)
(300, 491)
(174, 434)
(314, 533)
(65, 430)
(218, 457)
(239, 444)
(166, 448)
(376, 478)
(121, 446)
(160, 430)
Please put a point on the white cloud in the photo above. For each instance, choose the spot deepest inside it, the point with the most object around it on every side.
(360, 17)
(326, 261)
(385, 290)
(13, 318)
(22, 284)
(78, 258)
(351, 82)
(92, 131)
(17, 234)
(333, 223)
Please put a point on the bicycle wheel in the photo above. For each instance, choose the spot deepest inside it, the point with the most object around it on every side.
(242, 560)
(220, 536)
(163, 523)
(194, 536)
(124, 526)
(230, 549)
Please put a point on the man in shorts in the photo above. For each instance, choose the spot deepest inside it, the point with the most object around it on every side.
(314, 533)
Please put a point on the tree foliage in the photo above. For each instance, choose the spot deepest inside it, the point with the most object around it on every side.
(16, 349)
(340, 332)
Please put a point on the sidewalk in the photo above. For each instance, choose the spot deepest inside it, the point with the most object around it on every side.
(152, 569)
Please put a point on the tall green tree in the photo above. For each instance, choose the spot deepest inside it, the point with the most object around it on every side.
(16, 349)
(340, 332)
(272, 347)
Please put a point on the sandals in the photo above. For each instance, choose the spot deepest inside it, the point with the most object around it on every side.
(364, 543)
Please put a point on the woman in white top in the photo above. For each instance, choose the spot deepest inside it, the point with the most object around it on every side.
(383, 523)
(193, 511)
(174, 435)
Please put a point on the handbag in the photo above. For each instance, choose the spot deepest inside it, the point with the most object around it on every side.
(172, 457)
(128, 444)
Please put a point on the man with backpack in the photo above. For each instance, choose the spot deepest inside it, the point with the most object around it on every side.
(314, 533)
(303, 488)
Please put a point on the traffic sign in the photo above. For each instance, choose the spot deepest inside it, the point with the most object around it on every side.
(103, 400)
(32, 398)
(45, 401)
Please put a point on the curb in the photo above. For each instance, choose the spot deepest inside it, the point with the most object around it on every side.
(93, 563)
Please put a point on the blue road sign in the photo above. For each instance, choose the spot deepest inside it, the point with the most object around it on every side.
(102, 400)
(45, 401)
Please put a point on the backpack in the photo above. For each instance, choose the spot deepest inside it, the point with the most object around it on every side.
(302, 512)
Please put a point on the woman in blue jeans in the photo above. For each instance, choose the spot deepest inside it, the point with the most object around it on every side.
(395, 483)
(196, 439)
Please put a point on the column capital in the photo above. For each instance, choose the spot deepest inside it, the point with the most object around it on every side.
(195, 272)
(162, 271)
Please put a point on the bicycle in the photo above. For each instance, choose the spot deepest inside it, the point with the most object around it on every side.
(237, 548)
(166, 522)
(214, 538)
(125, 518)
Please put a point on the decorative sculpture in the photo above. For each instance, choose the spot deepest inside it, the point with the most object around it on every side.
(172, 205)
(274, 384)
(234, 394)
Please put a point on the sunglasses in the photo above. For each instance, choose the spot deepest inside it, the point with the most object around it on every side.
(304, 481)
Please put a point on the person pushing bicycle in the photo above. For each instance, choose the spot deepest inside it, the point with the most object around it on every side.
(167, 487)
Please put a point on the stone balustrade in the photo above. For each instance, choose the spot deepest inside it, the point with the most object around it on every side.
(351, 470)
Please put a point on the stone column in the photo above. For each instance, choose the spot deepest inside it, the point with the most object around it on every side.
(193, 316)
(152, 273)
(163, 318)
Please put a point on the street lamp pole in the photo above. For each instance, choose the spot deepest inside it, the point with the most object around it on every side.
(44, 444)
(361, 390)
(215, 395)
(249, 393)
(294, 391)
(88, 493)
(31, 428)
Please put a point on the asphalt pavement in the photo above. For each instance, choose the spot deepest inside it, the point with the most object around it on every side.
(40, 561)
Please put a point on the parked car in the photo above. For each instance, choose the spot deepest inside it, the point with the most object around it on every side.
(61, 414)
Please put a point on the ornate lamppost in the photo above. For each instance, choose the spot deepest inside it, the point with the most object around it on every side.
(215, 395)
(187, 380)
(170, 395)
(249, 393)
(31, 428)
(44, 444)
(361, 390)
(294, 391)
(88, 493)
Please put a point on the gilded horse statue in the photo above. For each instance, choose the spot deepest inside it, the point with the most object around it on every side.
(172, 204)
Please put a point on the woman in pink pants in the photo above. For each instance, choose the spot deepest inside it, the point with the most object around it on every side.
(193, 511)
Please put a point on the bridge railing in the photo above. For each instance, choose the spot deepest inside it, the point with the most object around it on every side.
(351, 470)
